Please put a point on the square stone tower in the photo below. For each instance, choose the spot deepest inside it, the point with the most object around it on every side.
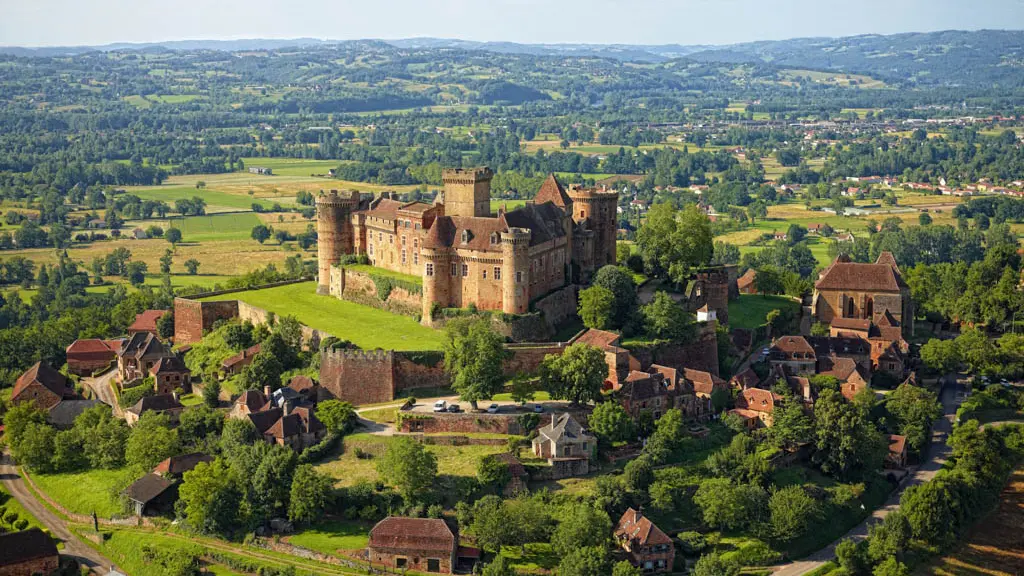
(467, 192)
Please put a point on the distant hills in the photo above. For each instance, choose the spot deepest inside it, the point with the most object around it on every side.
(930, 58)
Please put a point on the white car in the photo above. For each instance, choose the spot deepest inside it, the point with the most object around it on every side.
(493, 409)
(440, 406)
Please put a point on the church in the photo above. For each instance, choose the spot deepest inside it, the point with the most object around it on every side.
(465, 254)
(848, 293)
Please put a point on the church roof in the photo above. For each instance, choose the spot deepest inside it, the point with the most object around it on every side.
(552, 191)
(882, 276)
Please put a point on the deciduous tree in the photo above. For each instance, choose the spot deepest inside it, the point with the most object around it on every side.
(473, 355)
(576, 375)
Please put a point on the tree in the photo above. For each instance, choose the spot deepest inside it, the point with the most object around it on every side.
(209, 499)
(173, 235)
(103, 437)
(942, 356)
(596, 307)
(135, 272)
(888, 538)
(409, 466)
(714, 565)
(672, 242)
(584, 561)
(473, 355)
(611, 422)
(211, 394)
(35, 448)
(665, 318)
(260, 233)
(338, 416)
(619, 282)
(491, 524)
(270, 480)
(582, 525)
(852, 556)
(891, 567)
(166, 260)
(792, 511)
(492, 472)
(729, 506)
(639, 473)
(522, 388)
(924, 219)
(769, 281)
(165, 325)
(624, 568)
(576, 375)
(192, 266)
(847, 442)
(198, 423)
(237, 432)
(500, 566)
(264, 370)
(151, 441)
(17, 420)
(790, 425)
(915, 409)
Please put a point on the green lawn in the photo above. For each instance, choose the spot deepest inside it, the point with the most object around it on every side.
(84, 492)
(9, 504)
(330, 536)
(215, 200)
(365, 326)
(214, 227)
(292, 166)
(538, 558)
(750, 310)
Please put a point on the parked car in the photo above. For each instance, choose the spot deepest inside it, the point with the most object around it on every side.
(538, 408)
(493, 409)
(440, 406)
(454, 408)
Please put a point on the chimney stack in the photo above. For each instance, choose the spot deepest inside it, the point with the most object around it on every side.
(174, 395)
(266, 392)
(554, 420)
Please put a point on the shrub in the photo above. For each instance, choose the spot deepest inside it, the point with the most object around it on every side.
(10, 517)
(693, 543)
(21, 524)
(757, 554)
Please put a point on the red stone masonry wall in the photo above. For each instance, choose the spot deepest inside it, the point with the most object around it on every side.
(359, 376)
(47, 565)
(192, 318)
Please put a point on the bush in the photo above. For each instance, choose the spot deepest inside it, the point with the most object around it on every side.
(21, 524)
(693, 543)
(757, 554)
(10, 518)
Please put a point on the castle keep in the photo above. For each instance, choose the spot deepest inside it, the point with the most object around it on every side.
(466, 255)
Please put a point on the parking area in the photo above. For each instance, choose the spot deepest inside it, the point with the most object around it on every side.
(430, 405)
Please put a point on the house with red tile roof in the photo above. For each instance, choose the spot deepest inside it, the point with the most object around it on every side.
(794, 353)
(146, 322)
(756, 406)
(87, 355)
(418, 544)
(42, 385)
(897, 456)
(235, 364)
(645, 545)
(856, 290)
(746, 283)
(642, 392)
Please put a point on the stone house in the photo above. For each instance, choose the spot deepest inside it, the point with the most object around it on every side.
(151, 493)
(161, 403)
(146, 322)
(564, 437)
(86, 356)
(897, 456)
(794, 353)
(855, 290)
(746, 284)
(419, 544)
(137, 356)
(745, 379)
(250, 402)
(297, 428)
(28, 552)
(704, 384)
(644, 392)
(170, 374)
(756, 406)
(646, 546)
(44, 386)
(235, 364)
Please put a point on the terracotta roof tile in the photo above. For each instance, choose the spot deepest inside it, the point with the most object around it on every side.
(598, 338)
(552, 191)
(427, 534)
(703, 382)
(638, 528)
(757, 400)
(146, 322)
(897, 444)
(883, 276)
(45, 375)
(26, 545)
(178, 465)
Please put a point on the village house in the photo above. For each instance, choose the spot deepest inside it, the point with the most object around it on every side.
(794, 353)
(42, 385)
(28, 552)
(563, 438)
(150, 493)
(745, 379)
(755, 406)
(159, 403)
(250, 402)
(643, 392)
(297, 428)
(146, 322)
(86, 356)
(897, 456)
(234, 364)
(171, 375)
(747, 283)
(137, 356)
(646, 546)
(854, 290)
(418, 544)
(62, 416)
(851, 377)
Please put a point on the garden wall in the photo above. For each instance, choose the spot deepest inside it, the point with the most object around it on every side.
(373, 376)
(361, 288)
(446, 423)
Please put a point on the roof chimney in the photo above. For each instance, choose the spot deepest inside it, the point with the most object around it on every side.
(287, 408)
(554, 420)
(266, 392)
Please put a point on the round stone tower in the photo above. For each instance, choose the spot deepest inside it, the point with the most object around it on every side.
(598, 207)
(436, 279)
(515, 271)
(334, 232)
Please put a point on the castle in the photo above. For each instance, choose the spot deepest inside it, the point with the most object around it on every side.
(466, 255)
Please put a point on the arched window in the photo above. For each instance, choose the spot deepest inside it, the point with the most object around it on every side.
(869, 308)
(849, 307)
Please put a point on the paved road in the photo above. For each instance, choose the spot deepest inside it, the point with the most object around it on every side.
(101, 386)
(938, 452)
(73, 547)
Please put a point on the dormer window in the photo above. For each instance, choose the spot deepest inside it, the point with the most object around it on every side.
(465, 236)
(494, 238)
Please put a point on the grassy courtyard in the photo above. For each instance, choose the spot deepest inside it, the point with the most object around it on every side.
(365, 326)
(750, 310)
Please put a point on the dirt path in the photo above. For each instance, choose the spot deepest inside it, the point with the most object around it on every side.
(102, 387)
(57, 526)
(938, 452)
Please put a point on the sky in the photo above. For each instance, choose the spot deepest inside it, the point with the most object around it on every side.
(95, 22)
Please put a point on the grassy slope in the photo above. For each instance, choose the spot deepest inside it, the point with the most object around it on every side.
(330, 536)
(10, 504)
(83, 492)
(365, 326)
(751, 309)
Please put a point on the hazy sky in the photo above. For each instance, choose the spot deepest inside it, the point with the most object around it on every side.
(88, 22)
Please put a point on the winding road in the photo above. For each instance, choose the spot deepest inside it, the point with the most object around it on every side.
(938, 452)
(73, 547)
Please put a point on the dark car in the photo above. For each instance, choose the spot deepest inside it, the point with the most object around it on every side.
(454, 408)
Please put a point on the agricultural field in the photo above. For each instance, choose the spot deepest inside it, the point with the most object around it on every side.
(341, 318)
(994, 546)
(348, 469)
(750, 310)
(330, 536)
(216, 200)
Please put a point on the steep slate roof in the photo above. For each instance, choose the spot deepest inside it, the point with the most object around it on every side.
(882, 276)
(552, 191)
(63, 415)
(564, 427)
(26, 545)
(146, 321)
(703, 382)
(148, 487)
(827, 345)
(142, 344)
(635, 527)
(543, 220)
(427, 534)
(746, 379)
(45, 375)
(178, 465)
(168, 364)
(157, 402)
(641, 386)
(265, 419)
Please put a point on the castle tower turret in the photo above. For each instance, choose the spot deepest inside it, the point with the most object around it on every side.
(334, 232)
(515, 271)
(597, 207)
(436, 280)
(467, 191)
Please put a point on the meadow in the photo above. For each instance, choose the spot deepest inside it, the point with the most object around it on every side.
(330, 536)
(750, 310)
(364, 326)
(85, 492)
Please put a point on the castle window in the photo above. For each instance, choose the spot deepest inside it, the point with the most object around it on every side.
(519, 277)
(455, 269)
(465, 270)
(497, 273)
(415, 257)
(403, 255)
(371, 249)
(380, 236)
(483, 272)
(430, 269)
(417, 226)
(403, 240)
(581, 213)
(391, 238)
(415, 242)
(494, 238)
